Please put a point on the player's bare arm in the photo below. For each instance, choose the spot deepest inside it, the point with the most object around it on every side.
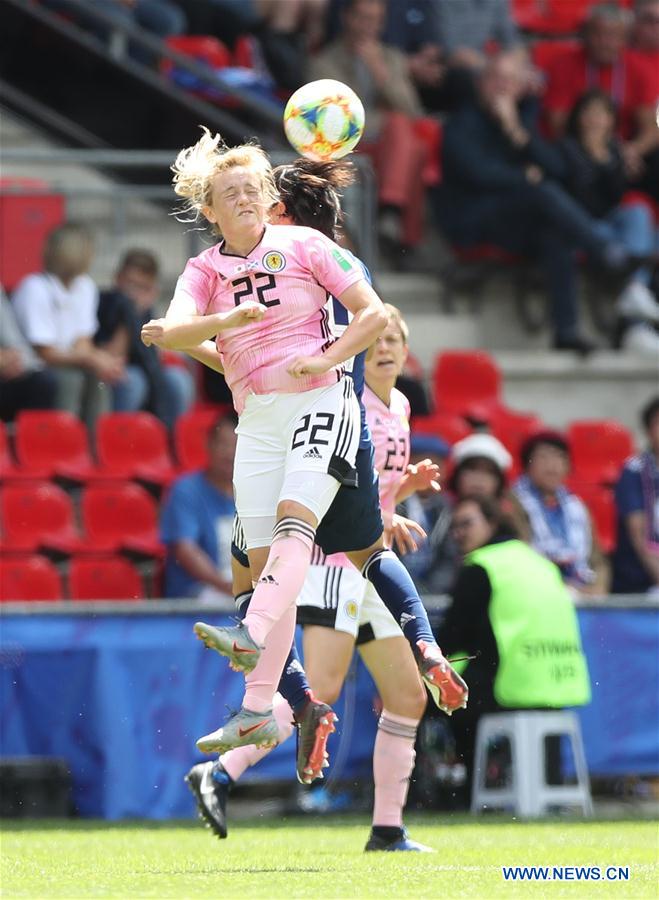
(369, 319)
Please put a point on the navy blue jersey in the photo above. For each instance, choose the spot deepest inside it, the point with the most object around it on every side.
(339, 320)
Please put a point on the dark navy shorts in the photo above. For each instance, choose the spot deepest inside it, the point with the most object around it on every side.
(353, 521)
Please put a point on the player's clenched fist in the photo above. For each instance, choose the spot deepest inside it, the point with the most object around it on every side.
(153, 332)
(249, 311)
(309, 365)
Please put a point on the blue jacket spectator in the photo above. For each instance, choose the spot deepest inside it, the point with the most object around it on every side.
(496, 191)
(636, 558)
(197, 519)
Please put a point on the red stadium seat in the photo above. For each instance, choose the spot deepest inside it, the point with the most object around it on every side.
(190, 434)
(598, 449)
(429, 130)
(202, 48)
(54, 443)
(513, 428)
(8, 468)
(466, 382)
(449, 427)
(121, 517)
(38, 515)
(134, 445)
(546, 54)
(550, 16)
(29, 578)
(109, 578)
(243, 51)
(602, 508)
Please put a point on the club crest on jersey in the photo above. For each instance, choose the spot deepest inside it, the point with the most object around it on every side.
(274, 261)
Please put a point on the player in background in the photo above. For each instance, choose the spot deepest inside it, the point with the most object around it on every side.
(262, 292)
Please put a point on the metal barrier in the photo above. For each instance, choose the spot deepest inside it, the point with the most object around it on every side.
(434, 603)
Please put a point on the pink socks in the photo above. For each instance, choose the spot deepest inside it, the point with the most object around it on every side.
(237, 761)
(283, 576)
(262, 682)
(393, 761)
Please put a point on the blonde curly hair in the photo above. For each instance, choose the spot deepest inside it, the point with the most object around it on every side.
(196, 167)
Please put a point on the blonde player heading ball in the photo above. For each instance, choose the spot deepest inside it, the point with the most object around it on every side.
(262, 291)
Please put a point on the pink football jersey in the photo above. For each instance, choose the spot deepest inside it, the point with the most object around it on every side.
(291, 271)
(390, 430)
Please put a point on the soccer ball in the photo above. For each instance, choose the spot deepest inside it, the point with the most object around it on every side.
(324, 119)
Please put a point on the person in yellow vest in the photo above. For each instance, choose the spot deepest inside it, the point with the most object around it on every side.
(511, 608)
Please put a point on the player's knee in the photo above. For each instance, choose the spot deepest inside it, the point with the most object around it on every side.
(409, 700)
(293, 509)
(327, 689)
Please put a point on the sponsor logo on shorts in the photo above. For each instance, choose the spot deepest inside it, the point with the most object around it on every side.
(351, 609)
(313, 453)
(274, 261)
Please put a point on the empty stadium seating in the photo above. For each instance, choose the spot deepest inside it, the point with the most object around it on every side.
(9, 471)
(598, 448)
(54, 443)
(121, 517)
(467, 383)
(134, 445)
(29, 578)
(38, 515)
(109, 578)
(190, 433)
(448, 426)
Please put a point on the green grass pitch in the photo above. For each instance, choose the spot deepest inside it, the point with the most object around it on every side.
(319, 858)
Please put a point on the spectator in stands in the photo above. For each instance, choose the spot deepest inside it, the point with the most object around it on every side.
(481, 466)
(433, 565)
(636, 557)
(509, 606)
(645, 49)
(495, 191)
(593, 170)
(25, 383)
(480, 463)
(197, 519)
(560, 525)
(56, 310)
(167, 391)
(378, 73)
(466, 31)
(286, 30)
(603, 61)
